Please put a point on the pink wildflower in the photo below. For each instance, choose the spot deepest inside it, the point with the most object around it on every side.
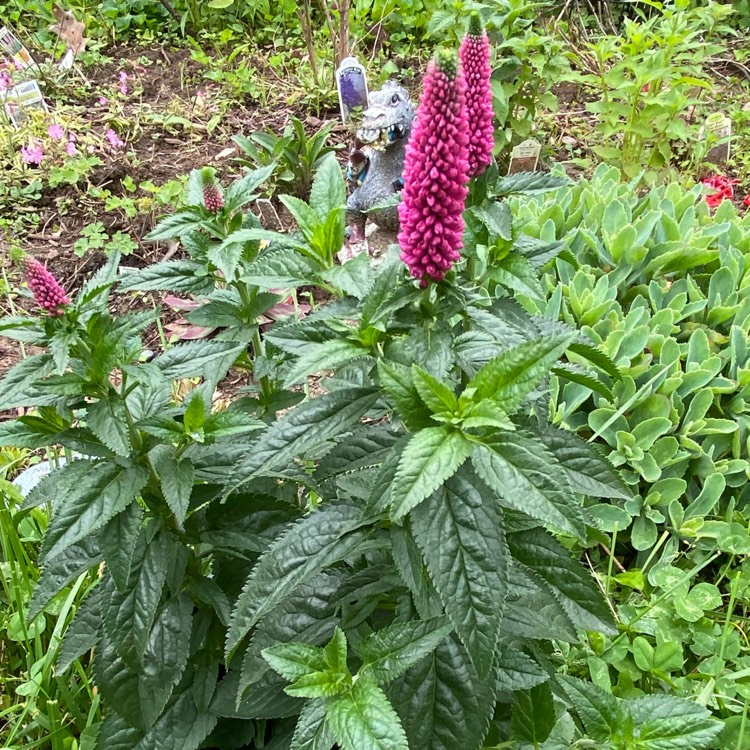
(56, 132)
(71, 149)
(103, 101)
(5, 80)
(475, 61)
(33, 153)
(45, 288)
(123, 82)
(436, 172)
(113, 139)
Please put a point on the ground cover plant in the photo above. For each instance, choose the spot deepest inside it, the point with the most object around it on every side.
(300, 504)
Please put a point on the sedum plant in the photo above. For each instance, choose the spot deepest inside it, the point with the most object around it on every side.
(658, 283)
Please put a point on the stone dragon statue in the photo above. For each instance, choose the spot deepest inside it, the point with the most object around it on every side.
(376, 162)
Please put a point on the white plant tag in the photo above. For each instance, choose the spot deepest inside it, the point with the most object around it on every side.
(351, 82)
(15, 48)
(718, 127)
(525, 157)
(20, 100)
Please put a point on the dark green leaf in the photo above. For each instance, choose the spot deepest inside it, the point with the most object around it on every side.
(496, 217)
(398, 384)
(165, 657)
(436, 395)
(520, 470)
(130, 614)
(107, 420)
(318, 540)
(528, 183)
(181, 727)
(308, 425)
(280, 269)
(574, 586)
(83, 633)
(601, 713)
(17, 388)
(182, 276)
(588, 470)
(59, 571)
(389, 652)
(118, 542)
(326, 356)
(509, 378)
(461, 537)
(193, 358)
(442, 702)
(86, 496)
(533, 714)
(665, 722)
(176, 477)
(355, 277)
(517, 671)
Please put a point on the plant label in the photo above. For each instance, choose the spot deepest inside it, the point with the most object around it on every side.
(351, 82)
(22, 99)
(525, 157)
(15, 48)
(717, 130)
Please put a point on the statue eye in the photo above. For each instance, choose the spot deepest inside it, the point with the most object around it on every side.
(395, 99)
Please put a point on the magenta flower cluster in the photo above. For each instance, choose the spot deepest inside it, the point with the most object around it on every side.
(475, 62)
(436, 173)
(452, 141)
(45, 288)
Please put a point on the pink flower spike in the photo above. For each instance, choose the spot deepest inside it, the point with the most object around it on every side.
(436, 172)
(113, 139)
(56, 132)
(32, 154)
(475, 61)
(45, 288)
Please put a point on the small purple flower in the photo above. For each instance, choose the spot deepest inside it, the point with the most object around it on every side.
(103, 101)
(45, 288)
(33, 153)
(113, 139)
(436, 173)
(56, 132)
(123, 82)
(71, 149)
(5, 80)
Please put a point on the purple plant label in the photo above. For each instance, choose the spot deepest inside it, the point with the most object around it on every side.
(352, 87)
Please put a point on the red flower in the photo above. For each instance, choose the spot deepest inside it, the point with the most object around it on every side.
(723, 187)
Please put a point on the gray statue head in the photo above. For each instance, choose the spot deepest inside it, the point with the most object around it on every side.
(388, 117)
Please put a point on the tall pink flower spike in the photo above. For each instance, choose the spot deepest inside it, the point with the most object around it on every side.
(46, 289)
(436, 172)
(475, 62)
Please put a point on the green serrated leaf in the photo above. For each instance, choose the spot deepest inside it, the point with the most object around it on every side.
(461, 537)
(389, 652)
(165, 657)
(364, 718)
(436, 395)
(107, 420)
(520, 470)
(86, 496)
(118, 542)
(183, 276)
(509, 378)
(326, 356)
(431, 457)
(533, 714)
(398, 383)
(313, 731)
(193, 358)
(17, 387)
(130, 614)
(316, 541)
(83, 633)
(442, 702)
(601, 713)
(176, 478)
(665, 722)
